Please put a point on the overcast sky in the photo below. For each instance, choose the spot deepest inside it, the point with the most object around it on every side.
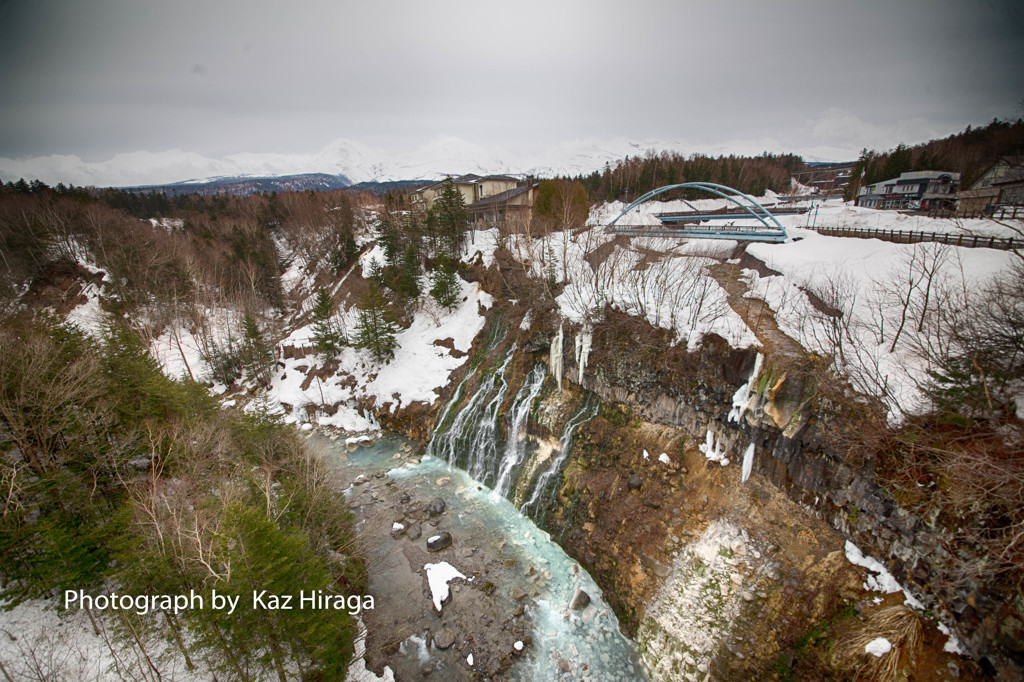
(104, 77)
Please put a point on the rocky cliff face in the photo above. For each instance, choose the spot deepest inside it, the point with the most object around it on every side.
(799, 434)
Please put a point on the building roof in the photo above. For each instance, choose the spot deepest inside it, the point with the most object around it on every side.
(912, 177)
(467, 179)
(500, 197)
(928, 175)
(1013, 174)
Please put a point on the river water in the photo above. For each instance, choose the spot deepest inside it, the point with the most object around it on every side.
(522, 582)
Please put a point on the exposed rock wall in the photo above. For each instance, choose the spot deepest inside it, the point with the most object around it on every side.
(796, 448)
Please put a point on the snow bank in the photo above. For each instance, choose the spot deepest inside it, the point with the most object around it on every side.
(664, 281)
(39, 642)
(88, 316)
(864, 278)
(482, 243)
(883, 581)
(420, 367)
(357, 670)
(178, 351)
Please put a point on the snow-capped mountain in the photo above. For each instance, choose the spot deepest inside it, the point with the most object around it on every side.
(355, 161)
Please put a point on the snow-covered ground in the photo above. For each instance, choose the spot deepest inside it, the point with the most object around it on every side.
(37, 642)
(869, 280)
(661, 280)
(418, 371)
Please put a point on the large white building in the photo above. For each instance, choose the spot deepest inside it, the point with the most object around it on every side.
(913, 190)
(473, 188)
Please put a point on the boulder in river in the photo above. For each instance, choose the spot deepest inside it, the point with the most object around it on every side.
(444, 639)
(436, 507)
(580, 600)
(634, 481)
(436, 543)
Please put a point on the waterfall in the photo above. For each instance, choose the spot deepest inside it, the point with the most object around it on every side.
(587, 412)
(515, 442)
(555, 357)
(371, 419)
(452, 402)
(741, 398)
(471, 440)
(584, 339)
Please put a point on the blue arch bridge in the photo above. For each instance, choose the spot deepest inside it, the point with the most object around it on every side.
(748, 220)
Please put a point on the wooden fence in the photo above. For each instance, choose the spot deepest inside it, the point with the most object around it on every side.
(913, 237)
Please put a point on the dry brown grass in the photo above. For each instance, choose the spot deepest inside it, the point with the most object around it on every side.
(898, 624)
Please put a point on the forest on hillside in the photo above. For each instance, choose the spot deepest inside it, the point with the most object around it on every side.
(632, 177)
(118, 477)
(969, 153)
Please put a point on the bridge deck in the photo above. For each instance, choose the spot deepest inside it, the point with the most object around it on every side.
(735, 233)
(679, 216)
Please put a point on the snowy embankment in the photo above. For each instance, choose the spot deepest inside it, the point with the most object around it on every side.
(38, 642)
(437, 343)
(307, 389)
(663, 281)
(872, 289)
(418, 371)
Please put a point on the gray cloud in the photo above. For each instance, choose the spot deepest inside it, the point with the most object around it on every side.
(113, 76)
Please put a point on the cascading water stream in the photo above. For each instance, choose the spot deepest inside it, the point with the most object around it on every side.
(587, 412)
(471, 441)
(518, 415)
(469, 438)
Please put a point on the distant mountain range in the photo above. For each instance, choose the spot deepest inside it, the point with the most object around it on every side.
(245, 185)
(340, 163)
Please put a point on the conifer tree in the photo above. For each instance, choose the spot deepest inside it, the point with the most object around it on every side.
(407, 279)
(327, 336)
(444, 284)
(256, 356)
(377, 327)
(449, 219)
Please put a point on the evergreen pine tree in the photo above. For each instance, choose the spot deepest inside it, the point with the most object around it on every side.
(449, 219)
(377, 327)
(389, 237)
(407, 280)
(327, 337)
(256, 355)
(444, 284)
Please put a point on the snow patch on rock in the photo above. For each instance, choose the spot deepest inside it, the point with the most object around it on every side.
(438, 577)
